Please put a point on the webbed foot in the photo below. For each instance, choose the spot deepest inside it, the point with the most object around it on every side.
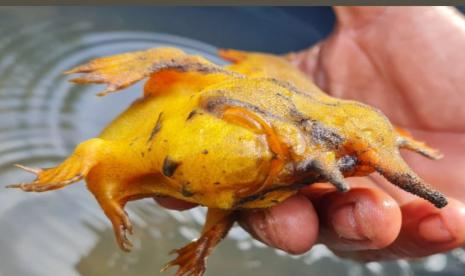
(71, 170)
(122, 70)
(192, 257)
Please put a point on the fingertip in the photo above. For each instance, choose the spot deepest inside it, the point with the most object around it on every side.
(442, 227)
(291, 226)
(363, 218)
(425, 231)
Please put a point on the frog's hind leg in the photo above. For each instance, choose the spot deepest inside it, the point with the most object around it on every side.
(406, 141)
(122, 70)
(192, 257)
(73, 169)
(113, 193)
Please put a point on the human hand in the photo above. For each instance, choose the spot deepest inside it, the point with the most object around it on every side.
(408, 62)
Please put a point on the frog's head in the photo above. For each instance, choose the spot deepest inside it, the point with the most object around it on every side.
(372, 143)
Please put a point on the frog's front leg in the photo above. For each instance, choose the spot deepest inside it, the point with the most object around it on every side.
(192, 257)
(73, 169)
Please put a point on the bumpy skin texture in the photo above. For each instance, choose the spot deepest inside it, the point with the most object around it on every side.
(247, 135)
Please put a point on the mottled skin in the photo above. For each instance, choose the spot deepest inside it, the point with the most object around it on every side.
(248, 135)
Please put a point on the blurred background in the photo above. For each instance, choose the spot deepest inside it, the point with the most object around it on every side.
(42, 118)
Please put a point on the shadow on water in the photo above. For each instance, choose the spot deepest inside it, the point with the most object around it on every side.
(42, 117)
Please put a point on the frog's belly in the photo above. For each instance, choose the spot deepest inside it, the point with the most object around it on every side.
(211, 160)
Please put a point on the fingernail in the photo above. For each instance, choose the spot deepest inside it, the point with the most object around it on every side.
(345, 223)
(433, 229)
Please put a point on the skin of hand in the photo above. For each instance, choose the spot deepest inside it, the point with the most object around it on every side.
(409, 62)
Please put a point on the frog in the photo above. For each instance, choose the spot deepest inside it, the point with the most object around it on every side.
(244, 136)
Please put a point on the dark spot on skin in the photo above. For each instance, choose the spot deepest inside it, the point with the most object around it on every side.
(185, 191)
(275, 201)
(274, 156)
(192, 114)
(157, 127)
(326, 136)
(205, 151)
(169, 166)
(142, 154)
(296, 115)
(217, 183)
(347, 163)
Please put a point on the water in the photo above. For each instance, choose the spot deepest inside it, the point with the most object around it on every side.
(42, 118)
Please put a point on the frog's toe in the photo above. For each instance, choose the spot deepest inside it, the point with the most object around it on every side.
(73, 169)
(406, 141)
(124, 229)
(324, 169)
(191, 258)
(50, 179)
(122, 226)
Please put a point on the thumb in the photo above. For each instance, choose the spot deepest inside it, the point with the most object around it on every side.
(306, 60)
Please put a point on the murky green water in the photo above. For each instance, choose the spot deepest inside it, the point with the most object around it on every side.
(42, 118)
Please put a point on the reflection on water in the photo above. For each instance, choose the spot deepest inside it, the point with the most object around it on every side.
(42, 117)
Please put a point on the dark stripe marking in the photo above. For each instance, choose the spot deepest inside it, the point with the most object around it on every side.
(157, 127)
(169, 166)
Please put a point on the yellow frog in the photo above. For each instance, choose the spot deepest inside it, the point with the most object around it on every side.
(247, 135)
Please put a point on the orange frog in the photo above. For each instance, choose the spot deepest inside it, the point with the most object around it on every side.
(247, 135)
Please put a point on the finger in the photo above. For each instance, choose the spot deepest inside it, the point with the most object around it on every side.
(174, 204)
(291, 226)
(363, 218)
(426, 230)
